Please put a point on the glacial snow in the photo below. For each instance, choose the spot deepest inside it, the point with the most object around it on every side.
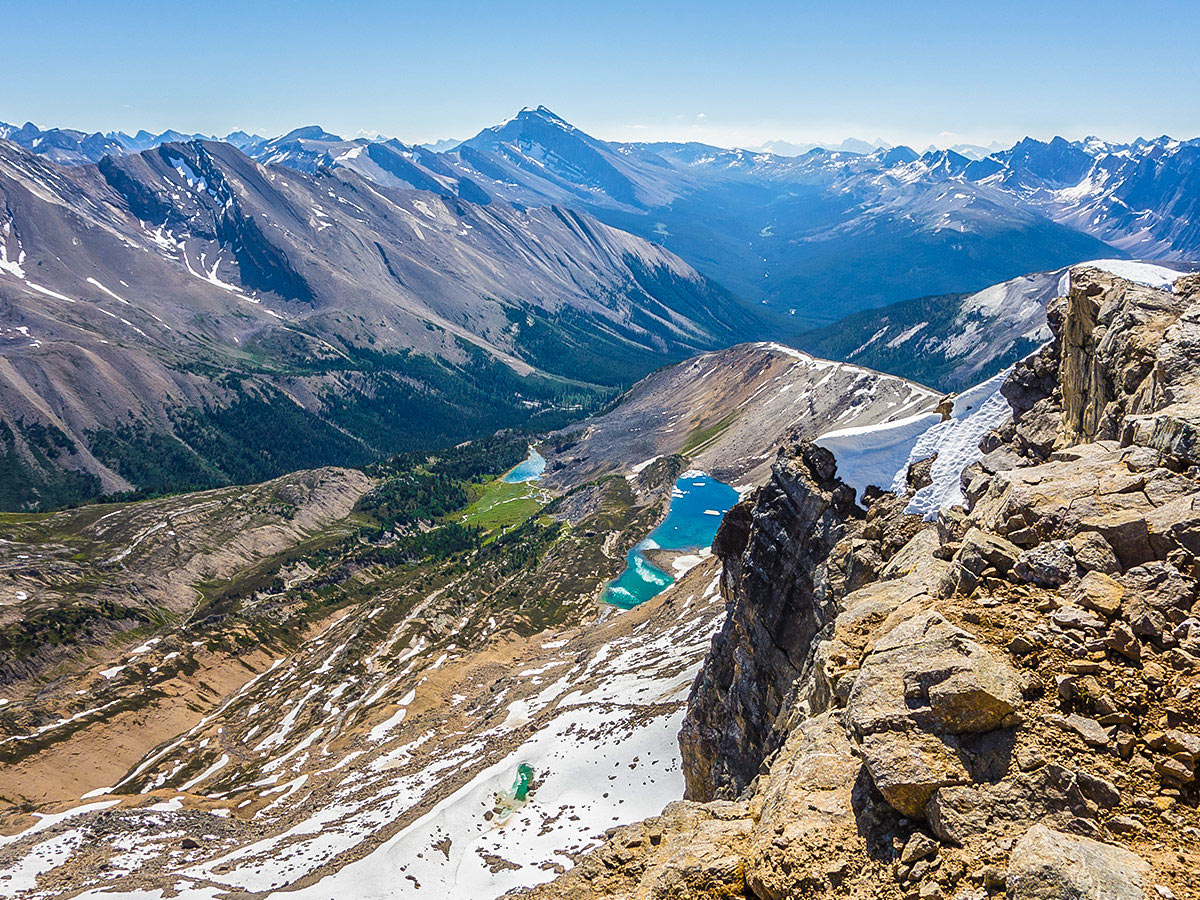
(880, 455)
(977, 411)
(873, 454)
(1148, 274)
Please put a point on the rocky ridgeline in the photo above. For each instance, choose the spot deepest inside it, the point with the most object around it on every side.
(1003, 702)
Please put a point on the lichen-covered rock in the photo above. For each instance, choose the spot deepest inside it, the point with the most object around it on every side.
(918, 475)
(1051, 794)
(1051, 865)
(1094, 554)
(1158, 594)
(1050, 564)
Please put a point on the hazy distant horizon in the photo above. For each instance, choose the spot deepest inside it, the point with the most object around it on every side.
(941, 141)
(931, 73)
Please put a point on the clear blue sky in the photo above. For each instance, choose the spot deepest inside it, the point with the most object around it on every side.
(725, 72)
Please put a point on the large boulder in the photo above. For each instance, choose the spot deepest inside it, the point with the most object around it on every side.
(807, 809)
(1050, 564)
(980, 550)
(1159, 596)
(1050, 865)
(907, 767)
(925, 685)
(1051, 794)
(979, 553)
(928, 673)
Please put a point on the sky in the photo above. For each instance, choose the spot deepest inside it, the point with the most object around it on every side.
(727, 73)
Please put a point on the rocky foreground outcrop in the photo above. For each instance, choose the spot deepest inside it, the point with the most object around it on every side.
(1002, 702)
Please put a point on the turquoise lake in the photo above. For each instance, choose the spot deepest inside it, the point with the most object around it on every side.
(698, 503)
(529, 470)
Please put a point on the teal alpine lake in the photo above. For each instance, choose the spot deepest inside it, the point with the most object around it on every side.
(529, 470)
(698, 503)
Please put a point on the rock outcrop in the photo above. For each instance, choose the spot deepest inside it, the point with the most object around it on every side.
(919, 700)
(771, 550)
(1001, 702)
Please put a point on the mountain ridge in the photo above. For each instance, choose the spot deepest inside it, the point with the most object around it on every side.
(155, 295)
(786, 229)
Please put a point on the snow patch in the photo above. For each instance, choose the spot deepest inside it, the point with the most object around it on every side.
(871, 454)
(880, 455)
(1148, 274)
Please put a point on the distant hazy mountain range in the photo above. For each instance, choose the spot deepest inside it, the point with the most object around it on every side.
(816, 235)
(854, 145)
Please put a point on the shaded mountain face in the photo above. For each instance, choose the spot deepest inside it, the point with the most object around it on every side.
(956, 340)
(827, 232)
(186, 316)
(540, 153)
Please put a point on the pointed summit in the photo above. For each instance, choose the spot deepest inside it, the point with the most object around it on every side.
(543, 112)
(308, 133)
(528, 119)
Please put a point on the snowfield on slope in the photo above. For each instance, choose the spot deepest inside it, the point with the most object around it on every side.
(363, 802)
(880, 455)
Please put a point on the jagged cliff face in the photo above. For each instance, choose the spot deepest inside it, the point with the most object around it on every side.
(798, 546)
(771, 550)
(999, 702)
